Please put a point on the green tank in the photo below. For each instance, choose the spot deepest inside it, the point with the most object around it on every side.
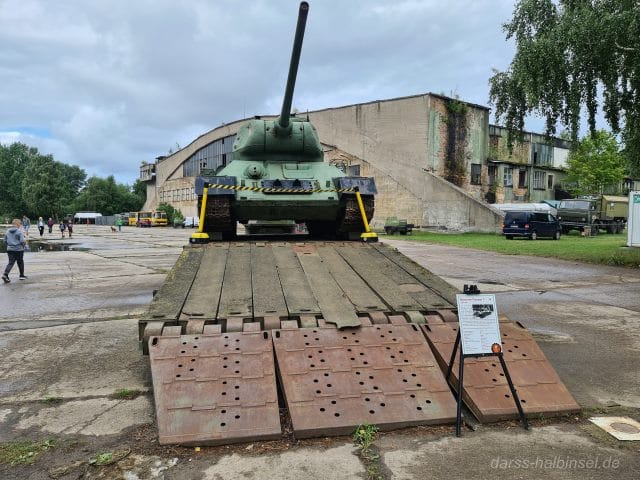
(277, 172)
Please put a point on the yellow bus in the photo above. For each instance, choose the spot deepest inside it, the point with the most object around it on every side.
(132, 219)
(150, 219)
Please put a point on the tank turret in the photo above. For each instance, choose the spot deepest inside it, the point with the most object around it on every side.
(286, 138)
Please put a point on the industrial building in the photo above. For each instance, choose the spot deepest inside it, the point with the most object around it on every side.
(436, 160)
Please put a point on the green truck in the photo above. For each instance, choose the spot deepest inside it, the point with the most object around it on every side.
(397, 225)
(604, 212)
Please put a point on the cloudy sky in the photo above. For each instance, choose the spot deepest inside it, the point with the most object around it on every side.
(106, 84)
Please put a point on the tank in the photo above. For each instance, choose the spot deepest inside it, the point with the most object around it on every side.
(277, 172)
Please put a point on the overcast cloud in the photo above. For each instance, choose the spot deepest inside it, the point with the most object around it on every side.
(106, 84)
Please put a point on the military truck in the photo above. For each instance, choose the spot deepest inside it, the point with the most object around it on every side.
(397, 225)
(604, 212)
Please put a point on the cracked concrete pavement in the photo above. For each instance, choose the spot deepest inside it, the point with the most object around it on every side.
(68, 339)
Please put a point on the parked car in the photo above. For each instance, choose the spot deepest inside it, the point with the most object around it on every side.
(531, 225)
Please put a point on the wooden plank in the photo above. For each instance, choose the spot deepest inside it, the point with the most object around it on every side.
(204, 297)
(268, 297)
(359, 293)
(236, 298)
(378, 272)
(169, 300)
(335, 307)
(297, 291)
(436, 284)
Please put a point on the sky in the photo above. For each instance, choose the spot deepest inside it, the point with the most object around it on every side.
(108, 84)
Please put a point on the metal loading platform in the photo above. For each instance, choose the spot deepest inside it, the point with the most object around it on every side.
(338, 329)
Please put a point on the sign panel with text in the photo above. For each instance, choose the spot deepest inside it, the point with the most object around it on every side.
(479, 328)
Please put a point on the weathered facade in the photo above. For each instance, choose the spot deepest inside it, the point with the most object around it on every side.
(436, 160)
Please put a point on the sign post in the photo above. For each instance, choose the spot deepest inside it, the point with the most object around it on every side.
(479, 336)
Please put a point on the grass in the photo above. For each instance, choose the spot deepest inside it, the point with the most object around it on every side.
(23, 452)
(363, 438)
(604, 249)
(126, 394)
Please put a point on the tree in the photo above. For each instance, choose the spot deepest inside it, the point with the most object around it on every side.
(567, 51)
(107, 197)
(13, 162)
(173, 214)
(595, 163)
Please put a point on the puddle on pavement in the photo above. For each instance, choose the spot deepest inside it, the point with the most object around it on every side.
(37, 246)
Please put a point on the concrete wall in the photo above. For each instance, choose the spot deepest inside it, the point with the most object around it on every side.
(448, 207)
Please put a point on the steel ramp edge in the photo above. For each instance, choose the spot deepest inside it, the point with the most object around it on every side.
(213, 388)
(486, 391)
(383, 374)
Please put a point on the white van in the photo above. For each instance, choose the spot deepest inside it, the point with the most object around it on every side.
(191, 222)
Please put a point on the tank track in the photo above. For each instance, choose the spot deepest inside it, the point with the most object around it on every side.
(351, 220)
(218, 216)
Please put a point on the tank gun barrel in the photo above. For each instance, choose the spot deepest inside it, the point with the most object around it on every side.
(283, 119)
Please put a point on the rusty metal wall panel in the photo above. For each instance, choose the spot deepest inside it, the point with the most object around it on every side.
(381, 374)
(214, 389)
(485, 389)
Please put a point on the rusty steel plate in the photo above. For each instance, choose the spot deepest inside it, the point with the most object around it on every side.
(212, 389)
(334, 380)
(486, 391)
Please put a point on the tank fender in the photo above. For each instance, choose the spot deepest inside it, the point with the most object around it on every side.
(222, 180)
(366, 185)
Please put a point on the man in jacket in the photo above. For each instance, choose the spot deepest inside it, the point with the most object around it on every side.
(15, 242)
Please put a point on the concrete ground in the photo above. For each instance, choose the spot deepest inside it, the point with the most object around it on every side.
(68, 341)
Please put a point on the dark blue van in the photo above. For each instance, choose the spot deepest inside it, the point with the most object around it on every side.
(531, 225)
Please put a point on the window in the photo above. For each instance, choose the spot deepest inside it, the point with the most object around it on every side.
(522, 179)
(476, 170)
(492, 172)
(550, 182)
(508, 177)
(539, 180)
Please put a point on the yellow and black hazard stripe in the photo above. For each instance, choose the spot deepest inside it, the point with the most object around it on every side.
(281, 190)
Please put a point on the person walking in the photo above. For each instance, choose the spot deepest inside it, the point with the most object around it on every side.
(62, 227)
(50, 224)
(26, 223)
(70, 227)
(41, 225)
(119, 224)
(15, 241)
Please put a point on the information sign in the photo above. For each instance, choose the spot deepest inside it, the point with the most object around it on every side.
(479, 329)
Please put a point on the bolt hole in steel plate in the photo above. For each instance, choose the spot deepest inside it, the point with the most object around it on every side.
(215, 389)
(334, 380)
